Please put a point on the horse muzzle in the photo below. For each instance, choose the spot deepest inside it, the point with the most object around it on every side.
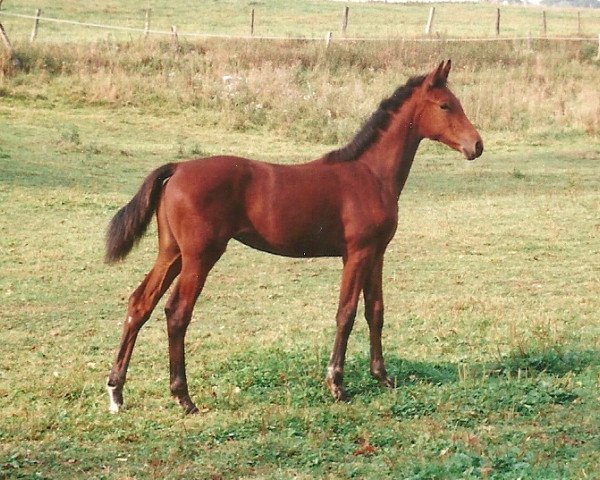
(473, 151)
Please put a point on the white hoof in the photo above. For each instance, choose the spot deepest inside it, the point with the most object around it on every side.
(114, 406)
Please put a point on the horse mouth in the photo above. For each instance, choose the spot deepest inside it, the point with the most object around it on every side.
(474, 152)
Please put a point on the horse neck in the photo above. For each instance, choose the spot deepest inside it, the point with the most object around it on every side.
(392, 155)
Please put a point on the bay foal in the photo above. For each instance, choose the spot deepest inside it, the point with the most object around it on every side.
(344, 204)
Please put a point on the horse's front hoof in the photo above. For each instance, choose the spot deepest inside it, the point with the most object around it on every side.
(383, 379)
(387, 382)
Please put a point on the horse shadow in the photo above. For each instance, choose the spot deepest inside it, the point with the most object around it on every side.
(297, 375)
(405, 372)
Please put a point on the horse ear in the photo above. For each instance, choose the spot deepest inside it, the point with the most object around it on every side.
(436, 76)
(446, 69)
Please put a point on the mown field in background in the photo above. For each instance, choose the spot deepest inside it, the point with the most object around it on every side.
(307, 18)
(492, 325)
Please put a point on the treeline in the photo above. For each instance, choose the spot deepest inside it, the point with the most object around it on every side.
(572, 3)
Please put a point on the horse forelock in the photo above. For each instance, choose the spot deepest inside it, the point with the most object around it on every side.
(378, 122)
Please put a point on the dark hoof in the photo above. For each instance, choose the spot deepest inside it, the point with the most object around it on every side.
(383, 379)
(388, 383)
(188, 406)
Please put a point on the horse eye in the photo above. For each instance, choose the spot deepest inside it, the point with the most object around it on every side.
(445, 106)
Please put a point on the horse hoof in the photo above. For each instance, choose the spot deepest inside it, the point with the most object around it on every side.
(339, 395)
(115, 397)
(388, 383)
(188, 406)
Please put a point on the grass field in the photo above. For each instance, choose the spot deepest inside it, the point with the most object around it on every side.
(491, 284)
(308, 18)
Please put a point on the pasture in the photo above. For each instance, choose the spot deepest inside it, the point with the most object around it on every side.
(309, 18)
(491, 283)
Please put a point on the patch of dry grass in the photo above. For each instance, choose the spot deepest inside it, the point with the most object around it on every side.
(306, 92)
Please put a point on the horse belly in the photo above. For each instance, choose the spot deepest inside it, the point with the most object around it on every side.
(293, 226)
(314, 240)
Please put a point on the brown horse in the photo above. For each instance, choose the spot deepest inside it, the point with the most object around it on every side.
(344, 204)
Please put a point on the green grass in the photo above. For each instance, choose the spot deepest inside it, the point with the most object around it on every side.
(492, 326)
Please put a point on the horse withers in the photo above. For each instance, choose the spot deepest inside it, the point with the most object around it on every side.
(343, 204)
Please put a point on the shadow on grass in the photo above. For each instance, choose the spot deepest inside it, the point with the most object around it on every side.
(553, 361)
(276, 375)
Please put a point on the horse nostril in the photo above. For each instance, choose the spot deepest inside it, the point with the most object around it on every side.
(479, 148)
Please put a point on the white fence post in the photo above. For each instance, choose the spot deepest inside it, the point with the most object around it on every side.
(429, 21)
(36, 24)
(147, 22)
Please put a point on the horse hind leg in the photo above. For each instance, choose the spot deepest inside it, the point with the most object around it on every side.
(179, 310)
(141, 304)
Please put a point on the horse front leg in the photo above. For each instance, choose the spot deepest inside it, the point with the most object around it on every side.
(352, 280)
(373, 293)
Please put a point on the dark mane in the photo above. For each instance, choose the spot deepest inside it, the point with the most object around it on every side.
(378, 121)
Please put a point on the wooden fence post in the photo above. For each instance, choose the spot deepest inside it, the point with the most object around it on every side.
(328, 38)
(345, 20)
(544, 25)
(174, 37)
(252, 23)
(598, 56)
(147, 22)
(36, 24)
(498, 21)
(429, 21)
(4, 38)
(578, 23)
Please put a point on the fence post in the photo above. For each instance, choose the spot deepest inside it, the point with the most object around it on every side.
(328, 38)
(36, 24)
(429, 21)
(578, 23)
(345, 20)
(147, 22)
(174, 37)
(598, 57)
(498, 21)
(252, 23)
(4, 38)
(544, 25)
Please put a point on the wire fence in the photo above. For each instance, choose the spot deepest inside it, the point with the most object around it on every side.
(328, 37)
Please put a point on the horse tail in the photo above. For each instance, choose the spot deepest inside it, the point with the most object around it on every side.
(130, 223)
